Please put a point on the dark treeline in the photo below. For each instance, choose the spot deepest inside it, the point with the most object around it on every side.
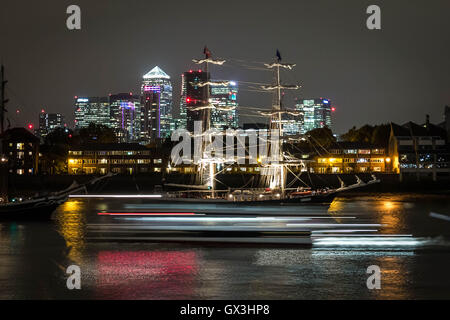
(377, 135)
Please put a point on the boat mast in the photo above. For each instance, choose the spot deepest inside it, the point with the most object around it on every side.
(208, 165)
(280, 146)
(3, 158)
(275, 124)
(3, 101)
(279, 173)
(207, 122)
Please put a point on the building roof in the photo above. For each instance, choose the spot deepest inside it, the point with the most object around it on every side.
(19, 134)
(109, 147)
(354, 145)
(156, 73)
(413, 129)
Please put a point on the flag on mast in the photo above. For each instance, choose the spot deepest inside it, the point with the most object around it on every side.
(278, 56)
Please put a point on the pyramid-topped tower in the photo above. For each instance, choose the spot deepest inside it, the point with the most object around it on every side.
(156, 73)
(157, 115)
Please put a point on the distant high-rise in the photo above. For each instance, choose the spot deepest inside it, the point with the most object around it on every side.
(224, 97)
(181, 122)
(49, 122)
(91, 110)
(157, 114)
(315, 113)
(125, 116)
(192, 97)
(151, 114)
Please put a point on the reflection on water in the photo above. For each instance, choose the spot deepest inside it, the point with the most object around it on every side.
(145, 274)
(395, 278)
(122, 270)
(71, 221)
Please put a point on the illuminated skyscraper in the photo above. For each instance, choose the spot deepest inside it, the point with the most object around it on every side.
(49, 122)
(151, 114)
(91, 110)
(192, 97)
(181, 122)
(221, 95)
(315, 113)
(224, 97)
(125, 116)
(157, 81)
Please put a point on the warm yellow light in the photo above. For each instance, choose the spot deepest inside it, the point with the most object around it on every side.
(332, 159)
(259, 160)
(71, 161)
(388, 205)
(388, 160)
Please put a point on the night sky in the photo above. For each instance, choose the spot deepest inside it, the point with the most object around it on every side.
(399, 73)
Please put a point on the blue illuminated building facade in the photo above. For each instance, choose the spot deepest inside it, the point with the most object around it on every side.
(125, 116)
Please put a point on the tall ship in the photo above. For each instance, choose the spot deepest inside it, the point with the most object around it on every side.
(275, 163)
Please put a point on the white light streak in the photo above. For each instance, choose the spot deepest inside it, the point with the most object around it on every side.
(128, 196)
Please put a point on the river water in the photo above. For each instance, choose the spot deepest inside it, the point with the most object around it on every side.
(34, 257)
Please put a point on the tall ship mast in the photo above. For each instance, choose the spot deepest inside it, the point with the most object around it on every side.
(278, 170)
(207, 164)
(3, 157)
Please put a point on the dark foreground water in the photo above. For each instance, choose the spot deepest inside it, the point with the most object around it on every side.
(34, 258)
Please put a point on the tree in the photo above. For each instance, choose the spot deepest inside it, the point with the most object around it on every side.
(54, 151)
(377, 135)
(96, 133)
(363, 134)
(323, 136)
(380, 135)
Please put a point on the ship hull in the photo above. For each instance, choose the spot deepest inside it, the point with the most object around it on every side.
(29, 210)
(325, 199)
